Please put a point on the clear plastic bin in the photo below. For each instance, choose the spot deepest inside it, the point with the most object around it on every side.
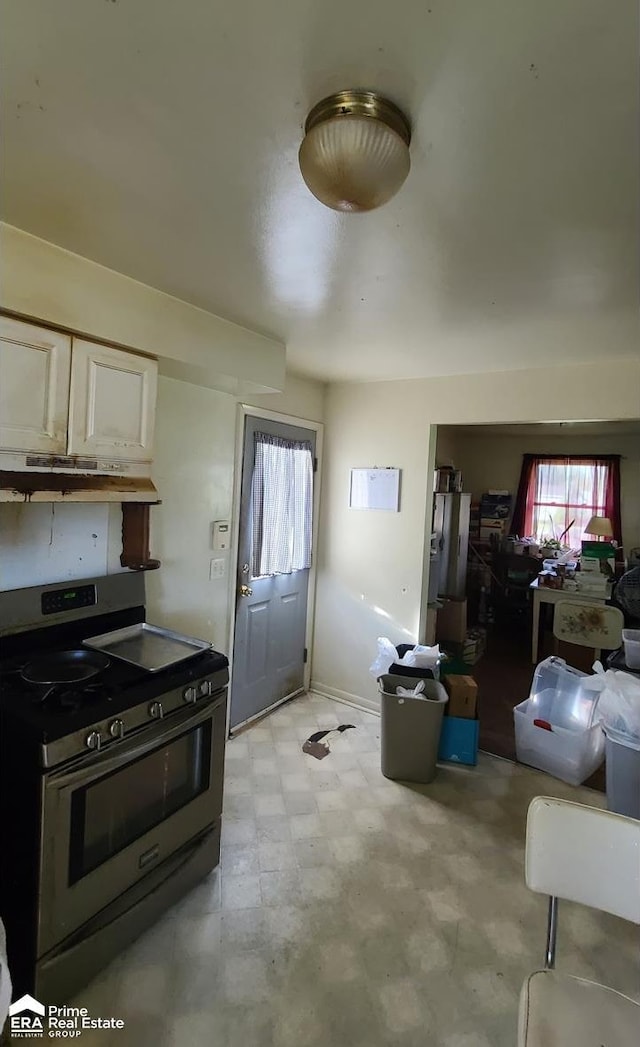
(571, 755)
(558, 696)
(631, 641)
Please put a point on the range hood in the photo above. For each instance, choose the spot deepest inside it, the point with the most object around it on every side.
(65, 487)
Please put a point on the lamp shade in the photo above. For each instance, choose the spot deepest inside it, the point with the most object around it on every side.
(600, 526)
(355, 153)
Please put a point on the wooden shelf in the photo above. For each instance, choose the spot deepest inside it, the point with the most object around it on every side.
(135, 537)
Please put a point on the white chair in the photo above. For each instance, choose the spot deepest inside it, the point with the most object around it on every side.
(590, 856)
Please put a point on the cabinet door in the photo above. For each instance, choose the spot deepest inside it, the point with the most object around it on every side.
(34, 387)
(113, 403)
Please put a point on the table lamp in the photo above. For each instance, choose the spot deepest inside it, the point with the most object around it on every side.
(599, 526)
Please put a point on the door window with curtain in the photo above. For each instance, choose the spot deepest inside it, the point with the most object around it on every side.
(281, 505)
(560, 494)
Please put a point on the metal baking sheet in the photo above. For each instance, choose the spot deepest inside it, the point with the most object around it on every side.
(148, 646)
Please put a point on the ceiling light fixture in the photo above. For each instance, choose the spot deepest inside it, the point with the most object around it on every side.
(355, 153)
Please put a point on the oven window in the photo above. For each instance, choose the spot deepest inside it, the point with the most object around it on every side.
(111, 813)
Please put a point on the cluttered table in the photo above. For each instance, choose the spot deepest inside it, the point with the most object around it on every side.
(545, 594)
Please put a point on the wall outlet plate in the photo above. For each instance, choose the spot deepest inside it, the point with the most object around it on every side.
(217, 568)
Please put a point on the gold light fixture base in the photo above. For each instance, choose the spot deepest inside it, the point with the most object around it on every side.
(357, 102)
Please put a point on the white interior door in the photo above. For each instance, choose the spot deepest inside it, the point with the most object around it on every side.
(271, 608)
(113, 402)
(34, 387)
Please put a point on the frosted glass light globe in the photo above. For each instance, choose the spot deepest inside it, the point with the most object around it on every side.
(355, 154)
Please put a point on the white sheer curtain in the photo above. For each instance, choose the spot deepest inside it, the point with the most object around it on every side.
(281, 505)
(568, 492)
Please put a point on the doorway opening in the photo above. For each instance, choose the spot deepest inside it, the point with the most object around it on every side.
(504, 631)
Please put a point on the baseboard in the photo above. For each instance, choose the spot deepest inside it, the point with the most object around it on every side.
(368, 705)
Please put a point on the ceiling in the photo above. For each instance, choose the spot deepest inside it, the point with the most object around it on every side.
(160, 139)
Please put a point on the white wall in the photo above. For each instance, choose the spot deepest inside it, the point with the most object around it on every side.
(370, 563)
(301, 397)
(447, 446)
(371, 567)
(494, 461)
(193, 470)
(195, 434)
(45, 282)
(42, 542)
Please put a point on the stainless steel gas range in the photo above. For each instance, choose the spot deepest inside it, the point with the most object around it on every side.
(110, 787)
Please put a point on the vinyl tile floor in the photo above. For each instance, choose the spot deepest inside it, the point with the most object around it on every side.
(349, 910)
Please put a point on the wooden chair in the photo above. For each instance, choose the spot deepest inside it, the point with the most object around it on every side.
(589, 856)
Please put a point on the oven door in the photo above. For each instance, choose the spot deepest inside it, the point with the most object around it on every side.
(116, 815)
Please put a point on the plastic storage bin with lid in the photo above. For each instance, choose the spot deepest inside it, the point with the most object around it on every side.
(556, 729)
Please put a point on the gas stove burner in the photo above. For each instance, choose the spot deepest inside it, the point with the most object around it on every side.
(59, 696)
(64, 697)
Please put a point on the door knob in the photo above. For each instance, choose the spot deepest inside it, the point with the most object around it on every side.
(246, 590)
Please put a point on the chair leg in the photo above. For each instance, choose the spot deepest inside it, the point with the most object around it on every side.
(552, 930)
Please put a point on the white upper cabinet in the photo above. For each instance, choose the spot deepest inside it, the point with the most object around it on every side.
(83, 405)
(112, 403)
(34, 387)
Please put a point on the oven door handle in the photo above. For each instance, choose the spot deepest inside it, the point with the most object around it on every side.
(111, 760)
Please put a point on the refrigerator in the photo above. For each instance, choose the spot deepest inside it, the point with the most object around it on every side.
(451, 514)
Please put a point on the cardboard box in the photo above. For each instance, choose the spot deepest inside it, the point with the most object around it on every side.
(430, 638)
(451, 623)
(474, 646)
(463, 696)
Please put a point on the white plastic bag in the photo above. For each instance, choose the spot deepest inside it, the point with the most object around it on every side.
(619, 702)
(423, 657)
(386, 656)
(419, 657)
(411, 692)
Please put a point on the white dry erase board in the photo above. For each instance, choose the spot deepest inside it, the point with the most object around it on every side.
(375, 489)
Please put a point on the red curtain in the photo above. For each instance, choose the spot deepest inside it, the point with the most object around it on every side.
(525, 493)
(613, 496)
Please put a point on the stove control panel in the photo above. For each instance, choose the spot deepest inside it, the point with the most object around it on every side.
(118, 729)
(56, 600)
